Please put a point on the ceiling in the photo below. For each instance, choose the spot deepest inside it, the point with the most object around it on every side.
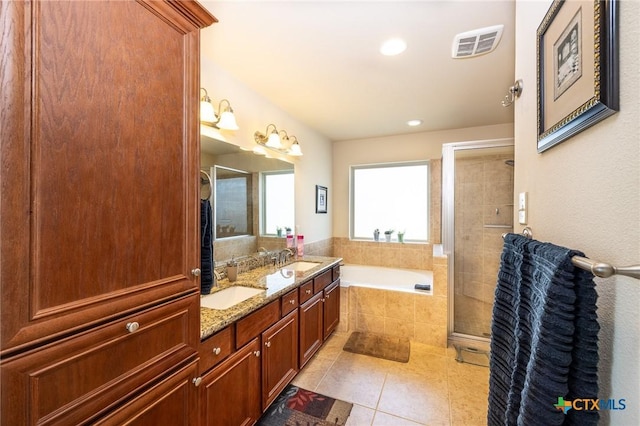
(319, 61)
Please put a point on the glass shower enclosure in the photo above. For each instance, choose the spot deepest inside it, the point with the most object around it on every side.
(477, 209)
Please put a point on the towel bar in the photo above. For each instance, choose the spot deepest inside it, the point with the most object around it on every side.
(599, 269)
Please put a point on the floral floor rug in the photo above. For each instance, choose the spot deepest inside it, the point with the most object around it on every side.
(299, 407)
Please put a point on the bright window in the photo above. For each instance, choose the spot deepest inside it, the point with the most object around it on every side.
(277, 201)
(390, 197)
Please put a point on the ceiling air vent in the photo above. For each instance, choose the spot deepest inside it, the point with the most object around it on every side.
(476, 42)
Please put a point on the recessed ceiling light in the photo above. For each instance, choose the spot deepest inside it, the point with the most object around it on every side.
(414, 123)
(393, 46)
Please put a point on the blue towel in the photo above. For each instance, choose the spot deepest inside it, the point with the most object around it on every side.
(206, 247)
(544, 337)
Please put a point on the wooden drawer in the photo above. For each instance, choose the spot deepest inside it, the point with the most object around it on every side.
(306, 291)
(173, 398)
(336, 272)
(255, 323)
(71, 380)
(322, 280)
(215, 348)
(289, 302)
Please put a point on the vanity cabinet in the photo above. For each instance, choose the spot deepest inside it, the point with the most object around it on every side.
(331, 316)
(231, 392)
(320, 313)
(99, 214)
(247, 364)
(280, 357)
(311, 327)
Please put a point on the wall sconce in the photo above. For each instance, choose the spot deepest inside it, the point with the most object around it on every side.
(226, 121)
(514, 93)
(274, 140)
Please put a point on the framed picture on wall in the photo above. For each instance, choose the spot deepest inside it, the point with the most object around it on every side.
(321, 199)
(577, 56)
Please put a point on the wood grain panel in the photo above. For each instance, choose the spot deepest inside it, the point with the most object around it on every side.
(174, 398)
(231, 391)
(98, 367)
(99, 159)
(104, 116)
(280, 357)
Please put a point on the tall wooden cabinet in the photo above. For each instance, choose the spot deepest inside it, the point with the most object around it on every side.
(99, 213)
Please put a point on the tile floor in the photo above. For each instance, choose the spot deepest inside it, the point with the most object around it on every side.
(431, 389)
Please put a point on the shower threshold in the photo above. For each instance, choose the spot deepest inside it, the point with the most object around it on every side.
(471, 355)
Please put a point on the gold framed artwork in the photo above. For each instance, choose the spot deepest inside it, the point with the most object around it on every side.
(577, 54)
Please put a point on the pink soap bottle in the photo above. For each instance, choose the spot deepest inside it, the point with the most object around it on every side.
(289, 241)
(300, 245)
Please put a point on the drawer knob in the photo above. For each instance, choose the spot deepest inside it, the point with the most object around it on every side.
(308, 291)
(256, 353)
(216, 351)
(197, 381)
(267, 344)
(195, 272)
(327, 296)
(132, 327)
(292, 301)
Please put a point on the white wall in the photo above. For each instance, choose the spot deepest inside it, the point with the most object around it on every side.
(415, 146)
(253, 113)
(585, 194)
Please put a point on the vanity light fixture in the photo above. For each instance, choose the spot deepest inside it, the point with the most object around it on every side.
(393, 47)
(208, 116)
(273, 139)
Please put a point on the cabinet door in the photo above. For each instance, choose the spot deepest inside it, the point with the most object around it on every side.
(280, 360)
(311, 330)
(100, 162)
(331, 308)
(175, 398)
(231, 391)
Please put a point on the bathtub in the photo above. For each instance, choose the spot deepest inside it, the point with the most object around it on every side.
(379, 277)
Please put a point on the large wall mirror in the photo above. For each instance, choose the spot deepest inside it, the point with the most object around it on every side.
(236, 196)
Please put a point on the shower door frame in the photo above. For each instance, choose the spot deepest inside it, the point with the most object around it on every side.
(448, 228)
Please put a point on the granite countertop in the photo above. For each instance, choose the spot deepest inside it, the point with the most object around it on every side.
(275, 282)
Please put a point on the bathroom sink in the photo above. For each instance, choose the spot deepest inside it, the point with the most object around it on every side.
(301, 266)
(224, 299)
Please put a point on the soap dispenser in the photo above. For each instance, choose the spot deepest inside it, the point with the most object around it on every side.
(300, 246)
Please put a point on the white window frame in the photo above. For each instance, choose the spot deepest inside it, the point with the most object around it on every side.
(352, 171)
(263, 207)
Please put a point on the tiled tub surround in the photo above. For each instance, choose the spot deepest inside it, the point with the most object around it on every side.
(417, 316)
(380, 253)
(268, 278)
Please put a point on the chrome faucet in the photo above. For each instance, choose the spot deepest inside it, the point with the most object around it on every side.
(217, 277)
(284, 256)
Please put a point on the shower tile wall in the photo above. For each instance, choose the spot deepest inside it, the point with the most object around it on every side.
(483, 212)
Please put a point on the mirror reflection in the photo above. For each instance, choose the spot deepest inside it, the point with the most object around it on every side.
(235, 198)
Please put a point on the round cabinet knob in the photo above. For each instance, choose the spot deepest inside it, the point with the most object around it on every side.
(216, 351)
(327, 296)
(308, 291)
(292, 301)
(195, 272)
(132, 327)
(267, 344)
(256, 353)
(197, 381)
